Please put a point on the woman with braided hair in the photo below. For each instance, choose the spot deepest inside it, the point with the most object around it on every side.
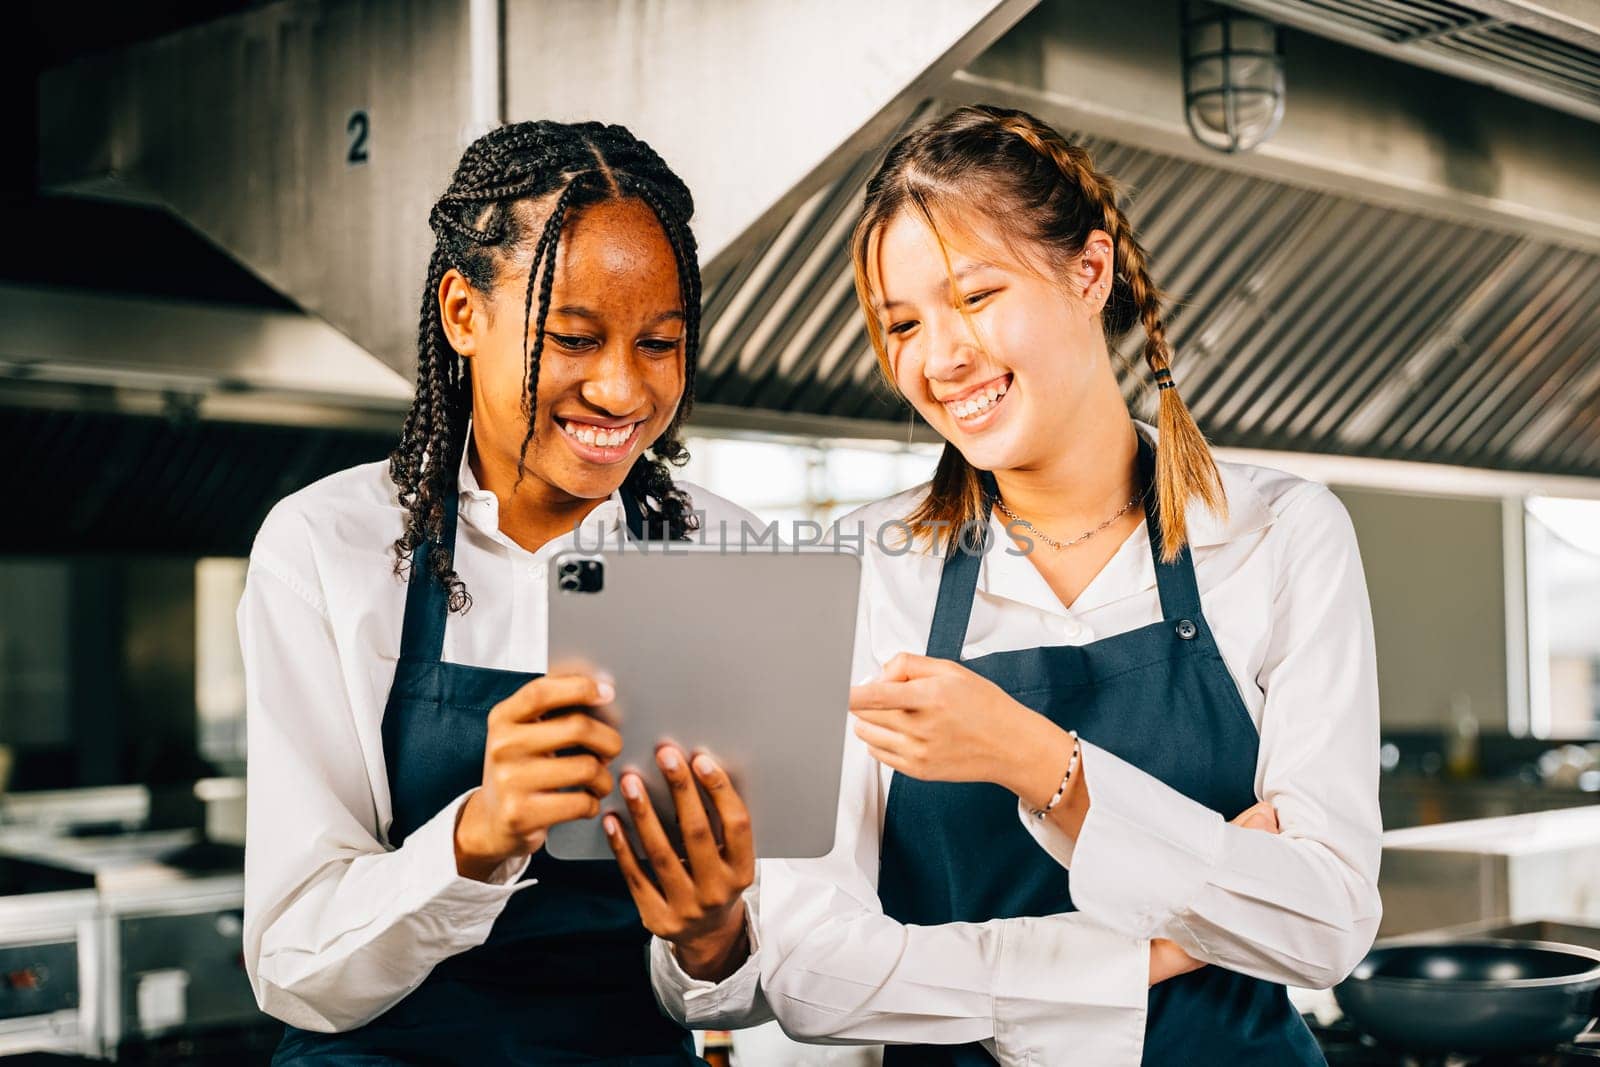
(399, 906)
(1092, 645)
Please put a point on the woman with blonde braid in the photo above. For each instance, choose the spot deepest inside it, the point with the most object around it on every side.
(1094, 643)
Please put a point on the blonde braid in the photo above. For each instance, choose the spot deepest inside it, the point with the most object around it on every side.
(1184, 464)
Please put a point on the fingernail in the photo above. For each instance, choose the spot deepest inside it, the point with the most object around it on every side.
(704, 764)
(610, 823)
(669, 759)
(630, 786)
(608, 692)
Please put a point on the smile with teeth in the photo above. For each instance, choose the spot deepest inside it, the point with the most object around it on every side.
(599, 436)
(978, 403)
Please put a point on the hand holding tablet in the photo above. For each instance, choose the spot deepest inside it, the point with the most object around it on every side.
(693, 902)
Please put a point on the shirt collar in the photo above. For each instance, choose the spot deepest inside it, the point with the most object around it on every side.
(1009, 576)
(481, 508)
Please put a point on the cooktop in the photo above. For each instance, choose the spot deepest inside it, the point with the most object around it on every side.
(1344, 1047)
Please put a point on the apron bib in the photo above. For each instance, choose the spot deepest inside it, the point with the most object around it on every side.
(564, 976)
(1159, 697)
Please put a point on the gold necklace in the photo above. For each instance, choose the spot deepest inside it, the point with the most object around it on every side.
(1051, 541)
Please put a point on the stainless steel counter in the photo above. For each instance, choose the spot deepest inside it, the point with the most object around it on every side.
(1510, 869)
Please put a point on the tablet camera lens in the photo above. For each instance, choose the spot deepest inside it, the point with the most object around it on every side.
(580, 576)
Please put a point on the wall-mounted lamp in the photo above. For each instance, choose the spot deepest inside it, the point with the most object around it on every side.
(1232, 76)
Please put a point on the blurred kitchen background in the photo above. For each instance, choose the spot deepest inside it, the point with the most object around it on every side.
(1380, 220)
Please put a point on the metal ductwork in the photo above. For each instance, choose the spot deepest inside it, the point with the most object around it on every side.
(1384, 278)
(1548, 52)
(1357, 124)
(1407, 269)
(213, 361)
(308, 138)
(1309, 322)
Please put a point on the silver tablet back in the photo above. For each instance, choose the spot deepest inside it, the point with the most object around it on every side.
(746, 655)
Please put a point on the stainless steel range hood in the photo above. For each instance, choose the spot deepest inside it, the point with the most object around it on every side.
(308, 139)
(1408, 269)
(147, 356)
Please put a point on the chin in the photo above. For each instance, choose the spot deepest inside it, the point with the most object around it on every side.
(997, 453)
(594, 485)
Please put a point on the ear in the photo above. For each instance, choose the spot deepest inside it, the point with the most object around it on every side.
(460, 313)
(1096, 270)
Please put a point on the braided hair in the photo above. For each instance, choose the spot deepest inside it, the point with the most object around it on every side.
(1045, 193)
(480, 223)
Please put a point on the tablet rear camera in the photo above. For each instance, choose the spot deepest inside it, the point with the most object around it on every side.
(580, 576)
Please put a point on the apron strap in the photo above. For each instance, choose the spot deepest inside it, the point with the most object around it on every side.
(1180, 595)
(635, 516)
(422, 635)
(958, 581)
(427, 607)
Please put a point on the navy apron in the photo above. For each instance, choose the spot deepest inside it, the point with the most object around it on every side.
(564, 975)
(1159, 697)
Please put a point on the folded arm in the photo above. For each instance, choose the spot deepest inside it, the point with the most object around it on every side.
(1300, 907)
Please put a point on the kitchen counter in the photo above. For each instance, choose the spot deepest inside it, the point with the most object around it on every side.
(1511, 868)
(1522, 834)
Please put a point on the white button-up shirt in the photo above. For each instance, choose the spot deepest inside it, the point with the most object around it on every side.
(338, 926)
(1282, 588)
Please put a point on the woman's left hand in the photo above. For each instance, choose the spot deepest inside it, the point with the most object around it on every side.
(938, 721)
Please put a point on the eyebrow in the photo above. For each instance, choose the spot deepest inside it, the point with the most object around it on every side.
(885, 305)
(581, 312)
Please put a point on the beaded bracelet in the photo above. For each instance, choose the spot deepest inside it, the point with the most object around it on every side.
(1061, 790)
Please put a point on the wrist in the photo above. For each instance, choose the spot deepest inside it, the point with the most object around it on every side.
(476, 858)
(1041, 753)
(714, 956)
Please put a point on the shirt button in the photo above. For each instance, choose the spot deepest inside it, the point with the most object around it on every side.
(1187, 629)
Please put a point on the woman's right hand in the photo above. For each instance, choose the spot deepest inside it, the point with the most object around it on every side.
(1167, 960)
(695, 902)
(530, 782)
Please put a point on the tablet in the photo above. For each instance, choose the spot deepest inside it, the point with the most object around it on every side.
(746, 655)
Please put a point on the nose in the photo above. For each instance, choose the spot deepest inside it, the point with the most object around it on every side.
(614, 384)
(951, 348)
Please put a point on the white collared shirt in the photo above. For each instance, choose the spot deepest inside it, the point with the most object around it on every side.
(338, 927)
(1282, 588)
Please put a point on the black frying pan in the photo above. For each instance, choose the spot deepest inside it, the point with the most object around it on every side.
(1473, 996)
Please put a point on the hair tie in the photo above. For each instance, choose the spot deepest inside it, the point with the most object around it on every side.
(1164, 380)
